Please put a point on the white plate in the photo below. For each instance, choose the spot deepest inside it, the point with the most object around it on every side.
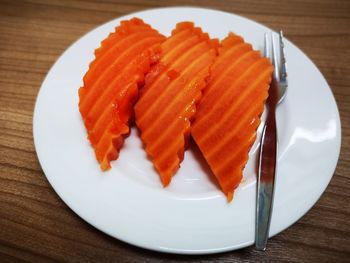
(191, 216)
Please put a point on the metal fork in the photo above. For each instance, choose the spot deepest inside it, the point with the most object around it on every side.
(269, 141)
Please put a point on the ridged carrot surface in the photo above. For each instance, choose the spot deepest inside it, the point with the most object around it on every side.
(111, 85)
(168, 101)
(229, 113)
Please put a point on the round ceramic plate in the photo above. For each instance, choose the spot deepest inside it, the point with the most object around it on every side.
(191, 216)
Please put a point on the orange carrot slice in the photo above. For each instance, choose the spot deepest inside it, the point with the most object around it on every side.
(111, 85)
(168, 100)
(229, 112)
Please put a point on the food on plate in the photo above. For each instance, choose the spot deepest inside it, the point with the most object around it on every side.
(111, 85)
(168, 101)
(185, 84)
(229, 112)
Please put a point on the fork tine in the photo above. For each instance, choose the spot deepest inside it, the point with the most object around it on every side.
(266, 46)
(274, 59)
(283, 66)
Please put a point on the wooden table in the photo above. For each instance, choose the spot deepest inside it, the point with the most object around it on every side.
(35, 225)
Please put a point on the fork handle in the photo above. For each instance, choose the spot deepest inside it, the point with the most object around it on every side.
(266, 180)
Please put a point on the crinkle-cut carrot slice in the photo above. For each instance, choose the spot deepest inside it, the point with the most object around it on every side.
(126, 28)
(97, 67)
(111, 85)
(229, 112)
(132, 55)
(173, 87)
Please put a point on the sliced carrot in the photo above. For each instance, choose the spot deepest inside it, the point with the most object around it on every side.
(229, 113)
(111, 85)
(173, 87)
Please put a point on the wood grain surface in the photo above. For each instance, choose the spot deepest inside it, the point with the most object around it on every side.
(36, 226)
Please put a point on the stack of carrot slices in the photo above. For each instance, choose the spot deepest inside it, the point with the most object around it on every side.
(111, 85)
(194, 85)
(168, 101)
(229, 113)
